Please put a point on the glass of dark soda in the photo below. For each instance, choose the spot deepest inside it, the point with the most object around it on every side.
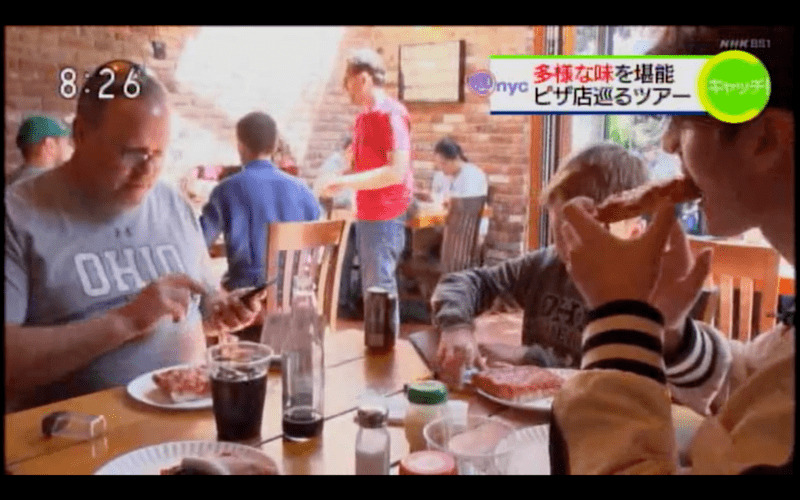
(238, 373)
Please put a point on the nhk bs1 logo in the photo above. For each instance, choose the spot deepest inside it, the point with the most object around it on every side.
(484, 83)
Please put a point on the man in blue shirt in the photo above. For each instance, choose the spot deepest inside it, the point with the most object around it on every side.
(242, 205)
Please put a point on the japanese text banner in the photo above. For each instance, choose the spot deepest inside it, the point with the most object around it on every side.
(595, 84)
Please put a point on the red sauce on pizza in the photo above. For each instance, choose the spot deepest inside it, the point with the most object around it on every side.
(185, 383)
(518, 383)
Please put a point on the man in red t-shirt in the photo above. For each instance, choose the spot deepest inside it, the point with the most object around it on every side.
(381, 174)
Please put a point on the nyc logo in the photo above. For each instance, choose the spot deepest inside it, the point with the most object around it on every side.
(484, 83)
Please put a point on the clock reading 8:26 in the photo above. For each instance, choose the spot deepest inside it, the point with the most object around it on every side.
(68, 88)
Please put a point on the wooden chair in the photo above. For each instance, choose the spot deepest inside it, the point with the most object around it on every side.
(460, 242)
(490, 196)
(745, 278)
(459, 251)
(318, 244)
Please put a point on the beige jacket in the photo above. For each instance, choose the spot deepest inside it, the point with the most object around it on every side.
(616, 416)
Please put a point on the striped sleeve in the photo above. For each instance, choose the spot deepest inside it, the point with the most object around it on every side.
(694, 362)
(625, 335)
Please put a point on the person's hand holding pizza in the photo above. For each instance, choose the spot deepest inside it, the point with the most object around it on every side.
(606, 268)
(679, 284)
(656, 267)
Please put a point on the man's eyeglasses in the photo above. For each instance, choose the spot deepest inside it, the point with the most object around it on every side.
(134, 157)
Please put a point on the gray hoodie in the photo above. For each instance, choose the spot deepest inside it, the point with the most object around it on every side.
(554, 311)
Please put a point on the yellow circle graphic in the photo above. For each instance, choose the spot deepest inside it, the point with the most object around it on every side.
(734, 86)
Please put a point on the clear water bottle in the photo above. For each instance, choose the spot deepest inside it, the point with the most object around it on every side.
(302, 365)
(372, 442)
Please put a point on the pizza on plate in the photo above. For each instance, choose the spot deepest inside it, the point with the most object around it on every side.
(222, 464)
(183, 384)
(645, 199)
(518, 383)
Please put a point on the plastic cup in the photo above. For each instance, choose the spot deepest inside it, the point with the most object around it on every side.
(238, 373)
(478, 444)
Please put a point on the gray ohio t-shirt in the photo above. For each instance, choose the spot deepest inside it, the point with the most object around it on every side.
(64, 263)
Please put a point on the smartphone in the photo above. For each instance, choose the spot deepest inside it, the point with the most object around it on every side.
(255, 291)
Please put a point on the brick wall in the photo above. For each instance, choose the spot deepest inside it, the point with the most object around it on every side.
(215, 75)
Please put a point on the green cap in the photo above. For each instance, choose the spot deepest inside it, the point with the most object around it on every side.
(428, 392)
(36, 128)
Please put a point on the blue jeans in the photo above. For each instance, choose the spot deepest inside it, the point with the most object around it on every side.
(380, 245)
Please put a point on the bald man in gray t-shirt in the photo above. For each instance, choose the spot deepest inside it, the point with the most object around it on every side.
(104, 265)
(62, 267)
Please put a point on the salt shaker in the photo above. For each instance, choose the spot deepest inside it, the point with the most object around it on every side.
(73, 425)
(372, 442)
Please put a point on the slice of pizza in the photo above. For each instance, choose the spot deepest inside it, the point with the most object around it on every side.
(223, 464)
(518, 383)
(645, 199)
(184, 384)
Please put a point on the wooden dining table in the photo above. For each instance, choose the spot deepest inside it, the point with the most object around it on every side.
(351, 373)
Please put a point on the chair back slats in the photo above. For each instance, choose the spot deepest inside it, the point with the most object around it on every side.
(746, 303)
(460, 239)
(326, 265)
(726, 303)
(291, 246)
(746, 277)
(707, 305)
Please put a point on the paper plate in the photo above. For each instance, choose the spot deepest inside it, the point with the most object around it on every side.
(143, 389)
(541, 404)
(151, 460)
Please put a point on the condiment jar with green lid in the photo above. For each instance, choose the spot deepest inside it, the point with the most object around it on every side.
(427, 401)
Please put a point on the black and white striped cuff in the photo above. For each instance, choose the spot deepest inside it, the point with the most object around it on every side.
(625, 335)
(695, 360)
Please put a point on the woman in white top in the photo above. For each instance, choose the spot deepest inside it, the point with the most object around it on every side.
(455, 176)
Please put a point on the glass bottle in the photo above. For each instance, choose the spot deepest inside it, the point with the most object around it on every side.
(379, 314)
(302, 365)
(372, 442)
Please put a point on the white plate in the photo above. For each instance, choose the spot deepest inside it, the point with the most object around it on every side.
(541, 404)
(531, 455)
(143, 389)
(152, 459)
